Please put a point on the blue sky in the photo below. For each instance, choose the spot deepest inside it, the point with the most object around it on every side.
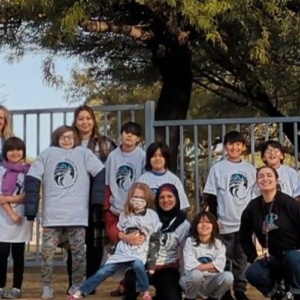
(23, 87)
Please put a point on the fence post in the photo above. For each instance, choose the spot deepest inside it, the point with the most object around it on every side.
(149, 122)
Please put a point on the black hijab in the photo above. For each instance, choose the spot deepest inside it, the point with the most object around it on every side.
(173, 218)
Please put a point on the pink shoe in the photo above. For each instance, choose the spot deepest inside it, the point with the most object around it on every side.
(147, 297)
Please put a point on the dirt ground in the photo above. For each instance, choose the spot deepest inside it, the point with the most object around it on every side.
(32, 286)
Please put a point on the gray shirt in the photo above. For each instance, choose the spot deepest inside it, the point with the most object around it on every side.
(65, 176)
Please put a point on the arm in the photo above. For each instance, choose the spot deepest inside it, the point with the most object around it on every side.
(12, 199)
(210, 191)
(212, 204)
(246, 234)
(32, 197)
(10, 212)
(98, 187)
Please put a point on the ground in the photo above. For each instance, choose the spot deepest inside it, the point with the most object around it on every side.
(32, 286)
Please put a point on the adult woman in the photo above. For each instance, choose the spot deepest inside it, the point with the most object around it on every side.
(5, 127)
(86, 125)
(274, 218)
(174, 231)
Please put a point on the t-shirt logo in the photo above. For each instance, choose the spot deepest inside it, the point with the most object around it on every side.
(65, 174)
(269, 223)
(205, 259)
(125, 177)
(154, 191)
(238, 185)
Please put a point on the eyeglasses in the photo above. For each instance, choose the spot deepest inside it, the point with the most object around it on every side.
(275, 151)
(66, 138)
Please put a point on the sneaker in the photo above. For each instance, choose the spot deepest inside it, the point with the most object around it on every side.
(278, 296)
(73, 289)
(240, 296)
(227, 296)
(14, 293)
(47, 293)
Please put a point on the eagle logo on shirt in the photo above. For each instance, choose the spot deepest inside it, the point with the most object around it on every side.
(125, 177)
(205, 259)
(65, 174)
(238, 185)
(154, 191)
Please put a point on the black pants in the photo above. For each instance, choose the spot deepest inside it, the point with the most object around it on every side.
(17, 250)
(165, 281)
(94, 245)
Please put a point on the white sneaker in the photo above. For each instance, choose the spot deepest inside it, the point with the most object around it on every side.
(73, 289)
(47, 293)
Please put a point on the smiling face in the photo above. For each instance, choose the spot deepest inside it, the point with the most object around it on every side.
(234, 150)
(158, 162)
(273, 157)
(166, 200)
(66, 140)
(267, 180)
(84, 123)
(204, 228)
(15, 156)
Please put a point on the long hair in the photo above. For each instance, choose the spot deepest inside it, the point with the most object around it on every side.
(194, 232)
(60, 131)
(7, 131)
(100, 139)
(148, 197)
(13, 143)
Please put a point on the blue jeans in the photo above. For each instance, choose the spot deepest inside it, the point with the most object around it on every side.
(264, 275)
(142, 283)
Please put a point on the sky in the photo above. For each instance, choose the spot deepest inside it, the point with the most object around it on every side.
(22, 86)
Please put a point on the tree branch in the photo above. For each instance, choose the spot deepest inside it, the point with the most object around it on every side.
(135, 32)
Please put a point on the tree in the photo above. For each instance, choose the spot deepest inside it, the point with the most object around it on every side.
(246, 54)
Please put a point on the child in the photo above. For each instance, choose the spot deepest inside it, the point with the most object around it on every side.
(204, 260)
(228, 190)
(64, 169)
(15, 230)
(157, 163)
(123, 167)
(272, 154)
(137, 217)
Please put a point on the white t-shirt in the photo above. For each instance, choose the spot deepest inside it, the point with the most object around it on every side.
(65, 175)
(154, 181)
(194, 255)
(232, 184)
(9, 231)
(170, 243)
(147, 224)
(122, 169)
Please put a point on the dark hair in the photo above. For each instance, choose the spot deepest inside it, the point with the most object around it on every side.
(234, 137)
(133, 128)
(273, 144)
(165, 151)
(13, 143)
(267, 167)
(60, 131)
(99, 138)
(194, 232)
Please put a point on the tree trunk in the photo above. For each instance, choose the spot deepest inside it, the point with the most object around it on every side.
(174, 100)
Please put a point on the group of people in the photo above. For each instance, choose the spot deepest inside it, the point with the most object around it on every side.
(88, 182)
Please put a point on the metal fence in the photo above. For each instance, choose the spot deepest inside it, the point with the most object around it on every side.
(200, 142)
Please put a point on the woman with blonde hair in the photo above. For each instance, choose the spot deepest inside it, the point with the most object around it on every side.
(5, 127)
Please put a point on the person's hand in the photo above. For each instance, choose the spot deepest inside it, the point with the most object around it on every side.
(3, 199)
(17, 219)
(133, 238)
(151, 271)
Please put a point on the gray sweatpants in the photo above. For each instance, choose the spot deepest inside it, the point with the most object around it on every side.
(214, 285)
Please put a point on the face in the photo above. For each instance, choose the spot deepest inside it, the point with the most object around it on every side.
(157, 161)
(129, 140)
(66, 140)
(266, 180)
(234, 150)
(272, 157)
(84, 123)
(137, 200)
(2, 120)
(204, 227)
(15, 156)
(166, 200)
